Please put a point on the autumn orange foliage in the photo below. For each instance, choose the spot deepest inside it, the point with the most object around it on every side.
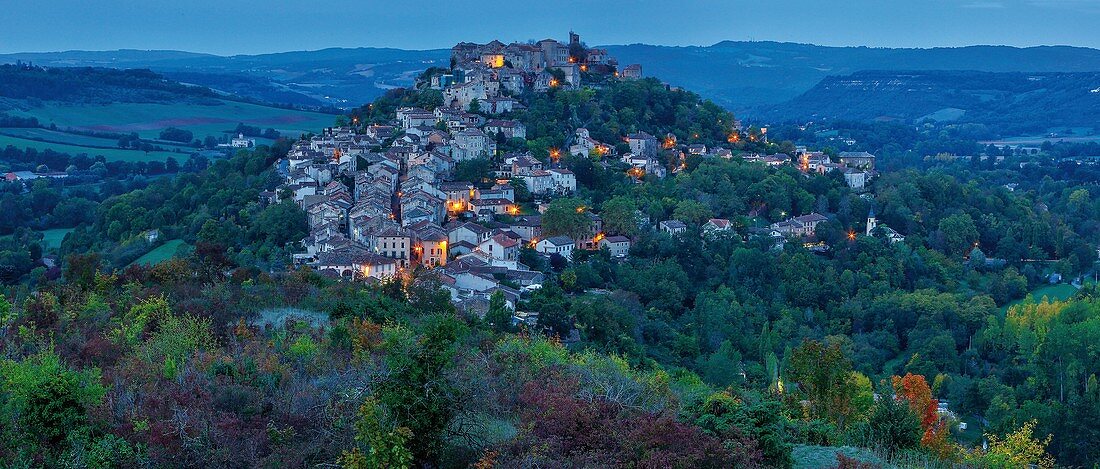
(914, 390)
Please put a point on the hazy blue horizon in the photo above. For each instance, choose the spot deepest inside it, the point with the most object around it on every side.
(590, 44)
(232, 27)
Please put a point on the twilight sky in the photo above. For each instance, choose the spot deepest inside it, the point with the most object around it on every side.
(247, 27)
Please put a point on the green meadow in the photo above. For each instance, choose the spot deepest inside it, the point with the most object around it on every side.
(160, 253)
(51, 239)
(57, 136)
(111, 154)
(1058, 292)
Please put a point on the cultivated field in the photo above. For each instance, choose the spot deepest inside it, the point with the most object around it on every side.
(148, 119)
(111, 154)
(57, 136)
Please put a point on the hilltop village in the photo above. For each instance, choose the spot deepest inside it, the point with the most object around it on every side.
(533, 255)
(382, 198)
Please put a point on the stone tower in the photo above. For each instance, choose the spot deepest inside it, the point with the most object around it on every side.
(871, 222)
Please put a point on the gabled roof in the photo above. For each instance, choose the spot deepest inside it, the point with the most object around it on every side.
(502, 123)
(463, 244)
(719, 222)
(392, 232)
(489, 202)
(434, 234)
(810, 218)
(472, 133)
(559, 241)
(855, 154)
(455, 186)
(528, 220)
(473, 227)
(371, 258)
(505, 241)
(416, 212)
(341, 257)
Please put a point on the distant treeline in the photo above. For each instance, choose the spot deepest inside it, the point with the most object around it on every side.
(93, 85)
(82, 166)
(21, 122)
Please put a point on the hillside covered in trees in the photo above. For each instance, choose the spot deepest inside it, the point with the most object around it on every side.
(722, 350)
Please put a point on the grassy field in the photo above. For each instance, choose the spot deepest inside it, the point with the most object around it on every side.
(51, 239)
(113, 154)
(1063, 134)
(148, 119)
(1059, 292)
(57, 136)
(161, 253)
(813, 457)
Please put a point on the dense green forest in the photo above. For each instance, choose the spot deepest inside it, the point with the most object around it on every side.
(715, 351)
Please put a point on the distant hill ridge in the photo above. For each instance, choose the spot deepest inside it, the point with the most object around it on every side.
(94, 85)
(739, 75)
(745, 75)
(1011, 102)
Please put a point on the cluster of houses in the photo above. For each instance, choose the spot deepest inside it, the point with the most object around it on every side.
(382, 199)
(483, 71)
(649, 155)
(858, 167)
(805, 226)
(404, 211)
